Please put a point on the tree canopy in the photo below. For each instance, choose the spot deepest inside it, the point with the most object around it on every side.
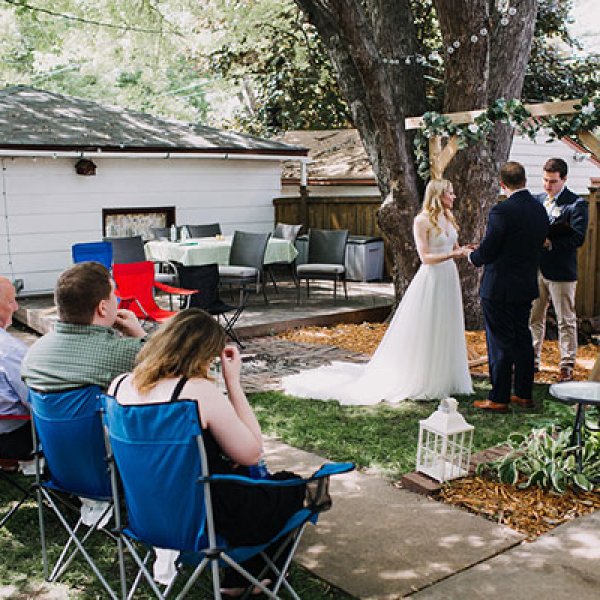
(258, 65)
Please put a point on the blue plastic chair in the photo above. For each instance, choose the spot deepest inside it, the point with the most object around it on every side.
(159, 454)
(101, 252)
(68, 430)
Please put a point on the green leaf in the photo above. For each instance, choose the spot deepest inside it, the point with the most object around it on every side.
(508, 473)
(583, 482)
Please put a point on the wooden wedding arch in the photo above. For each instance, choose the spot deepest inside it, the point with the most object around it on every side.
(441, 154)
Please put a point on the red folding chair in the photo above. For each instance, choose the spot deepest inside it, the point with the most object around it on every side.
(135, 287)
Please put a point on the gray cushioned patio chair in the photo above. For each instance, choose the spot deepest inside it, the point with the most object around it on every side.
(284, 231)
(199, 231)
(326, 259)
(162, 234)
(246, 261)
(127, 249)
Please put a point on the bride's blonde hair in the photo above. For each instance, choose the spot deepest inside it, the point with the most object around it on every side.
(432, 203)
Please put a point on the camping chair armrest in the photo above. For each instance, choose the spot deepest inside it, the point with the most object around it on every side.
(174, 290)
(325, 471)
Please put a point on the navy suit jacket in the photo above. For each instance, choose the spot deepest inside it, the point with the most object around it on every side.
(567, 233)
(511, 249)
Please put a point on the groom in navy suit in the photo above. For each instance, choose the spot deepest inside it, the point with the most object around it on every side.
(511, 251)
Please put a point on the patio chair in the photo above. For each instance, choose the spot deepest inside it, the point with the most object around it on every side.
(205, 279)
(100, 252)
(9, 466)
(167, 495)
(131, 249)
(326, 259)
(246, 263)
(200, 231)
(161, 233)
(284, 231)
(68, 430)
(135, 282)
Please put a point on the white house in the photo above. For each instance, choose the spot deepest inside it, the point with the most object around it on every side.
(153, 171)
(339, 165)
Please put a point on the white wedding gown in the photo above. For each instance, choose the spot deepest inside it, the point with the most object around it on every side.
(423, 354)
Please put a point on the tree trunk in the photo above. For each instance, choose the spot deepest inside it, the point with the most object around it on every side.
(476, 75)
(359, 35)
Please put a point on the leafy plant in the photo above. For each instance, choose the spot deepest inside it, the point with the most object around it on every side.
(546, 458)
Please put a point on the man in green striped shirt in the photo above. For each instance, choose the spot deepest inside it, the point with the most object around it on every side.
(93, 340)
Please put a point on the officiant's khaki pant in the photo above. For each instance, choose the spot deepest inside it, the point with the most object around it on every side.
(562, 296)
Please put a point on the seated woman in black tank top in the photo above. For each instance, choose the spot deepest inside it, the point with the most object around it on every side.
(175, 364)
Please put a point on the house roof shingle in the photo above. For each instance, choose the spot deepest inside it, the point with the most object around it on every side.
(32, 119)
(335, 155)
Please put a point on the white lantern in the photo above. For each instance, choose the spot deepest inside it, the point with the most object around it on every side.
(445, 441)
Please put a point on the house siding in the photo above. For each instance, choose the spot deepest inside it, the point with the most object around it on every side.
(47, 207)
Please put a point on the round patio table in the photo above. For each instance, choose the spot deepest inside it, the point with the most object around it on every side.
(582, 394)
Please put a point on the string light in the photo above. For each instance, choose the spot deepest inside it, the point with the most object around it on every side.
(434, 58)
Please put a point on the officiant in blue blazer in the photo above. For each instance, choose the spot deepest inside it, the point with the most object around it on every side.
(557, 279)
(510, 252)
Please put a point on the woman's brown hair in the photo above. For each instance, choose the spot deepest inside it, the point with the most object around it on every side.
(182, 347)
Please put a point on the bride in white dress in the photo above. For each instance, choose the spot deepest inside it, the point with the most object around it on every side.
(423, 354)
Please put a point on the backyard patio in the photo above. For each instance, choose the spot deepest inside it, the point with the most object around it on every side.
(370, 518)
(375, 515)
(298, 170)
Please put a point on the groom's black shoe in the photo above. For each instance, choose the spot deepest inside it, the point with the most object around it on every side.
(491, 406)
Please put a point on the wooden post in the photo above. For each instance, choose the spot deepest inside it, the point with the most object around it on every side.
(303, 204)
(440, 156)
(543, 109)
(591, 142)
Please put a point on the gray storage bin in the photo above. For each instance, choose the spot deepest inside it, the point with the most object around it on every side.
(364, 256)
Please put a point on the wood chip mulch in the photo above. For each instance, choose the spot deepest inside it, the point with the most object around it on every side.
(365, 338)
(531, 511)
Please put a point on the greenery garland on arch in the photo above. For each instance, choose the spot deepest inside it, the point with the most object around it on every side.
(511, 112)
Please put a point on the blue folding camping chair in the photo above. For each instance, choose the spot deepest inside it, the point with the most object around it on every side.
(159, 455)
(68, 434)
(101, 252)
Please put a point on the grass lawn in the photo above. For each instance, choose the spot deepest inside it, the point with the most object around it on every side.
(384, 437)
(380, 437)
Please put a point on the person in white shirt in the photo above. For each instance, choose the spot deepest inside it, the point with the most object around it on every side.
(557, 278)
(15, 433)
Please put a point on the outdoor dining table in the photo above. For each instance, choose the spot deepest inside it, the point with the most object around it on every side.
(204, 251)
(582, 394)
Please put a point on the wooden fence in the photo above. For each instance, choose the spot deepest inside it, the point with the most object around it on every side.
(358, 214)
(588, 262)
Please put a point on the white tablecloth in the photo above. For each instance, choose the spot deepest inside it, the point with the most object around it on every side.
(203, 251)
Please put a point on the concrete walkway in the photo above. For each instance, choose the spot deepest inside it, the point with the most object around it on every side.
(379, 542)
